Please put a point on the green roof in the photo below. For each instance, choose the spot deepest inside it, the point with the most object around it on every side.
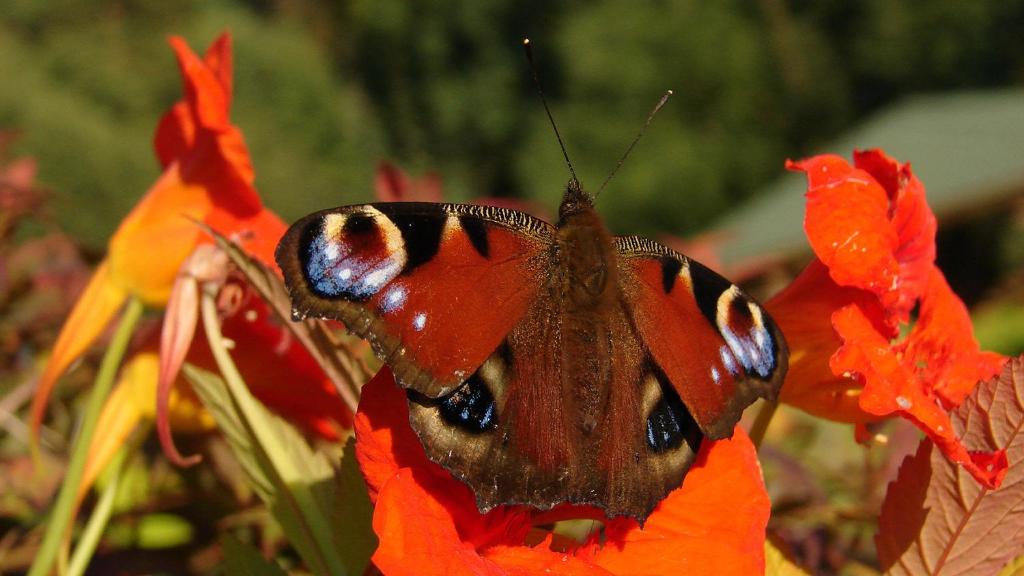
(967, 149)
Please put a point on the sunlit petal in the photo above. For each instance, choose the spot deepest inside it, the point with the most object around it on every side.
(102, 298)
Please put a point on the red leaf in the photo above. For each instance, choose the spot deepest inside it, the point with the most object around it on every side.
(936, 518)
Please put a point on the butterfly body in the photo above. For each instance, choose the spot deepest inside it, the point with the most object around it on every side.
(543, 364)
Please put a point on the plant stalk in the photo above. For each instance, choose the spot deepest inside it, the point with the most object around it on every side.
(63, 511)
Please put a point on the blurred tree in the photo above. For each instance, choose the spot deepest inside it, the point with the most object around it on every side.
(324, 90)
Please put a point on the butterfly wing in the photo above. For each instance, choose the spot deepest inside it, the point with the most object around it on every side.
(716, 345)
(433, 287)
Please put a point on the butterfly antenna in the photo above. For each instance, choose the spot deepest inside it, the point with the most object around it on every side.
(536, 81)
(643, 128)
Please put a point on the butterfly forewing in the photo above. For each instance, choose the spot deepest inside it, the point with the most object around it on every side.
(434, 287)
(718, 347)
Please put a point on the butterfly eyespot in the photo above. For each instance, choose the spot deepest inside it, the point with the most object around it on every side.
(471, 407)
(670, 424)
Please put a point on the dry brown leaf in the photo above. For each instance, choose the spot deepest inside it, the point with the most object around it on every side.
(936, 518)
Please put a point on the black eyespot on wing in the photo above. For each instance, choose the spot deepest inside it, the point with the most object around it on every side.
(470, 407)
(359, 224)
(476, 229)
(421, 234)
(670, 423)
(707, 287)
(670, 268)
(306, 247)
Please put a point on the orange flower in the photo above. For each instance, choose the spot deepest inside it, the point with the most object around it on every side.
(428, 523)
(207, 178)
(874, 237)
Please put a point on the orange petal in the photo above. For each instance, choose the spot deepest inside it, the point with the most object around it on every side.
(714, 524)
(804, 313)
(942, 345)
(847, 223)
(385, 442)
(155, 238)
(92, 313)
(915, 226)
(890, 386)
(130, 402)
(257, 233)
(540, 560)
(418, 535)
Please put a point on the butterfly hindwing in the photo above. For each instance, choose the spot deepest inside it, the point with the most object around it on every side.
(718, 347)
(434, 287)
(523, 429)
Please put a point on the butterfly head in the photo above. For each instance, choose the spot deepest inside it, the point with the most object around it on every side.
(575, 201)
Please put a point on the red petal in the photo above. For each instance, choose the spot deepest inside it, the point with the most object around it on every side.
(914, 223)
(871, 225)
(175, 134)
(803, 311)
(385, 442)
(204, 92)
(216, 156)
(847, 224)
(392, 184)
(714, 524)
(219, 60)
(257, 233)
(540, 560)
(943, 348)
(891, 386)
(418, 534)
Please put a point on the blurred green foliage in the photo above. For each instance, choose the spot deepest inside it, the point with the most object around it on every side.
(326, 90)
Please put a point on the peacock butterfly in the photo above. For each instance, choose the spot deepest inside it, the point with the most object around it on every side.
(543, 364)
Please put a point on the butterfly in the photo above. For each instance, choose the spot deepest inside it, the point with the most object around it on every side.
(542, 363)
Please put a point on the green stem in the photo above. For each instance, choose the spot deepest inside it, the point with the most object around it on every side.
(764, 418)
(312, 520)
(97, 523)
(64, 509)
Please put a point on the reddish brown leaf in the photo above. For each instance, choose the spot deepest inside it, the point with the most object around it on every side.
(936, 518)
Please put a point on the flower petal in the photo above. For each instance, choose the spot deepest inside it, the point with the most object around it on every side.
(392, 184)
(714, 524)
(130, 402)
(157, 235)
(385, 443)
(179, 327)
(803, 311)
(890, 386)
(914, 223)
(943, 348)
(92, 313)
(417, 532)
(847, 223)
(871, 225)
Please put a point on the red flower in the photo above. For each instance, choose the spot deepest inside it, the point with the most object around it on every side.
(428, 522)
(874, 237)
(207, 178)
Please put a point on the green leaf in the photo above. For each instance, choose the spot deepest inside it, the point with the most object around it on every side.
(353, 514)
(283, 469)
(244, 560)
